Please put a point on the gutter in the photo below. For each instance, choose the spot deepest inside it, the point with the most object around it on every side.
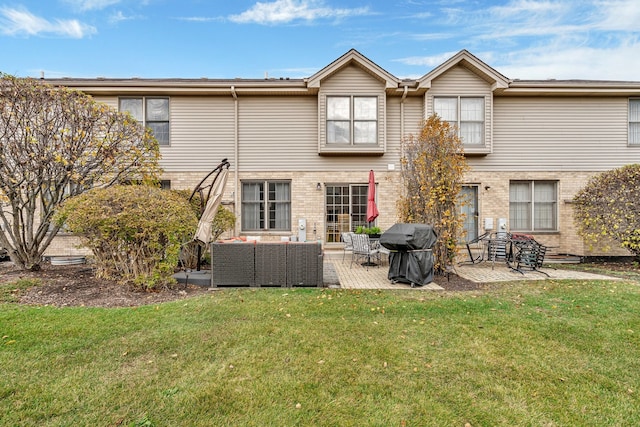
(236, 153)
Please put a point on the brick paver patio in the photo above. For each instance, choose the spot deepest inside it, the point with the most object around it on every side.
(358, 277)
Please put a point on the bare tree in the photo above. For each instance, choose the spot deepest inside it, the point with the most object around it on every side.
(57, 143)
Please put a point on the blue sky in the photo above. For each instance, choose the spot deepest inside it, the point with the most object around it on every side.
(525, 39)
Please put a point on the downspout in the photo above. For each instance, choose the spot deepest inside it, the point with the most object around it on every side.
(404, 96)
(236, 153)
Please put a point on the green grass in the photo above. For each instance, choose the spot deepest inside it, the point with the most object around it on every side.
(519, 354)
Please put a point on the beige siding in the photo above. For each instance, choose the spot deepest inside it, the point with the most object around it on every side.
(459, 81)
(559, 134)
(413, 116)
(398, 129)
(111, 101)
(202, 133)
(278, 133)
(352, 80)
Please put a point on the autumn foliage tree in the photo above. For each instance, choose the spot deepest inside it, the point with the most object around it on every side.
(433, 168)
(608, 208)
(57, 143)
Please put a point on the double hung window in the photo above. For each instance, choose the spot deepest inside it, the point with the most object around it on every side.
(634, 122)
(266, 205)
(150, 112)
(465, 114)
(533, 205)
(352, 120)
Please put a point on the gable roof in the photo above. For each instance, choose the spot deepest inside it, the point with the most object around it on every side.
(465, 59)
(353, 57)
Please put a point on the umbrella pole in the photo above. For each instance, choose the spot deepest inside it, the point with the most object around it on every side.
(199, 254)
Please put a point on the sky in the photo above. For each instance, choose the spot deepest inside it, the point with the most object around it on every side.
(521, 39)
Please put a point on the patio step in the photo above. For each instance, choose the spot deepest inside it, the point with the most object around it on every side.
(198, 278)
(562, 259)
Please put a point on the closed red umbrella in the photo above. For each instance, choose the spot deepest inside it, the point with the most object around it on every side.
(372, 209)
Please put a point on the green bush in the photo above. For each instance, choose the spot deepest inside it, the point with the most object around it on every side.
(135, 232)
(223, 221)
(607, 208)
(368, 230)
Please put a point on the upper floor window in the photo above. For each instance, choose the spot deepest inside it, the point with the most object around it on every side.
(352, 120)
(634, 122)
(466, 114)
(266, 205)
(533, 205)
(150, 112)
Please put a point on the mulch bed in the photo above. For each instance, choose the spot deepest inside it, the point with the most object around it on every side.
(76, 285)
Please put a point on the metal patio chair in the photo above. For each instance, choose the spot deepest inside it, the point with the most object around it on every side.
(363, 249)
(347, 239)
(475, 244)
(497, 247)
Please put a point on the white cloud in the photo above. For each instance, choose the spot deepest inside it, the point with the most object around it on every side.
(618, 15)
(284, 11)
(586, 63)
(120, 17)
(17, 22)
(432, 36)
(91, 4)
(200, 19)
(527, 7)
(543, 39)
(426, 61)
(522, 18)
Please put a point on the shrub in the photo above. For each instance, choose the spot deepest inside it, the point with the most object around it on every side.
(368, 230)
(608, 207)
(135, 232)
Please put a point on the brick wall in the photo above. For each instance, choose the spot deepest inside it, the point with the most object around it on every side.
(308, 202)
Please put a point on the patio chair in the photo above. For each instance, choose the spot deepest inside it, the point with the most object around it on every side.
(479, 242)
(363, 249)
(348, 244)
(530, 254)
(384, 251)
(497, 247)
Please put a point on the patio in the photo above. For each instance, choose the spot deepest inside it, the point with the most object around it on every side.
(358, 277)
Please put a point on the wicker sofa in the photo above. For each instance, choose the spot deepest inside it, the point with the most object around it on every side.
(285, 264)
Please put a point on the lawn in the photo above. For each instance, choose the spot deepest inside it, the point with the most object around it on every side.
(519, 354)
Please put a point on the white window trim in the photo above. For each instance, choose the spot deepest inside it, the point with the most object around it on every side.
(264, 204)
(630, 142)
(532, 201)
(144, 113)
(352, 121)
(458, 121)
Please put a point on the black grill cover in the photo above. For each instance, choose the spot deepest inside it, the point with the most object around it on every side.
(407, 237)
(411, 259)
